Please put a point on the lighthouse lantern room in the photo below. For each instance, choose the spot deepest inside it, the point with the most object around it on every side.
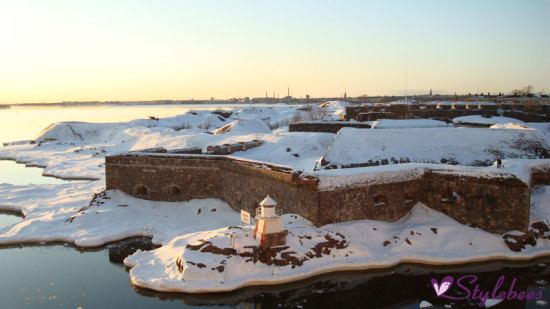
(269, 228)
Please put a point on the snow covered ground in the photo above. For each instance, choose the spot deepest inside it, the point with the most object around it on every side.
(83, 214)
(424, 236)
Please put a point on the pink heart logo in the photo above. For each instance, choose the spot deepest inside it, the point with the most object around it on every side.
(445, 285)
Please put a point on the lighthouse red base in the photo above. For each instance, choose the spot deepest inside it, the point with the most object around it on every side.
(269, 228)
(269, 239)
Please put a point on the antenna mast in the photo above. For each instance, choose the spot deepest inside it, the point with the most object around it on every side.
(406, 77)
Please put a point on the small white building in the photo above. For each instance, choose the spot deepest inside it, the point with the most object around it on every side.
(269, 227)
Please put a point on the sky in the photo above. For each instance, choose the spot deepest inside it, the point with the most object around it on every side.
(104, 50)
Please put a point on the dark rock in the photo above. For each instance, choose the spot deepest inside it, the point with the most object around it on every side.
(122, 249)
(541, 226)
(517, 243)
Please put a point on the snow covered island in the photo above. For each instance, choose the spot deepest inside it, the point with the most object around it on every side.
(422, 191)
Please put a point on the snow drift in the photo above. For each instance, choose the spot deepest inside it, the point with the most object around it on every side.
(457, 146)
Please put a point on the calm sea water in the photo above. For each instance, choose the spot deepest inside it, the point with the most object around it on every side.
(61, 276)
(19, 174)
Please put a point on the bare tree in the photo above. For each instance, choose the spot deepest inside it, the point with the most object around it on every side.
(527, 90)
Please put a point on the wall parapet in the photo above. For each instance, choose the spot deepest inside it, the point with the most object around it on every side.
(540, 174)
(496, 203)
(447, 109)
(326, 126)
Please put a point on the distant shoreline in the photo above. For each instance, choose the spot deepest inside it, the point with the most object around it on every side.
(119, 103)
(292, 100)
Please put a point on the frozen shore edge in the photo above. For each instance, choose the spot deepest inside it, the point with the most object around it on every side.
(282, 279)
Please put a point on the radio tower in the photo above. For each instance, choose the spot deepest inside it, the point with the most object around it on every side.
(405, 77)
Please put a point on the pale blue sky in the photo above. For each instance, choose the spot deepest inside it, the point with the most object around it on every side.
(145, 50)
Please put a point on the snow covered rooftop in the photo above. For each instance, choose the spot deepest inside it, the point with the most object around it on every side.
(407, 123)
(460, 103)
(457, 146)
(244, 126)
(268, 201)
(476, 119)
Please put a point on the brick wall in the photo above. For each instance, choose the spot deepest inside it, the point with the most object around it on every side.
(324, 126)
(496, 204)
(241, 184)
(243, 187)
(386, 202)
(163, 178)
(407, 111)
(540, 175)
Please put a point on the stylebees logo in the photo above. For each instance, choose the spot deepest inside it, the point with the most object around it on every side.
(472, 290)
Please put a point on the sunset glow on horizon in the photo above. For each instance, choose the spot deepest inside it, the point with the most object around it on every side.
(55, 51)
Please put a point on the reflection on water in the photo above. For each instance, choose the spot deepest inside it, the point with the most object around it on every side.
(8, 218)
(19, 174)
(405, 286)
(61, 275)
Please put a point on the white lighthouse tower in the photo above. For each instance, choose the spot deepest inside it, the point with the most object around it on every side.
(269, 228)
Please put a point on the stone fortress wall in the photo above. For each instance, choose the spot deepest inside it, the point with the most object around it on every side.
(449, 110)
(358, 116)
(496, 203)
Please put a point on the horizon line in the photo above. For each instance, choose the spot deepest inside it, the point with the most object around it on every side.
(271, 99)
